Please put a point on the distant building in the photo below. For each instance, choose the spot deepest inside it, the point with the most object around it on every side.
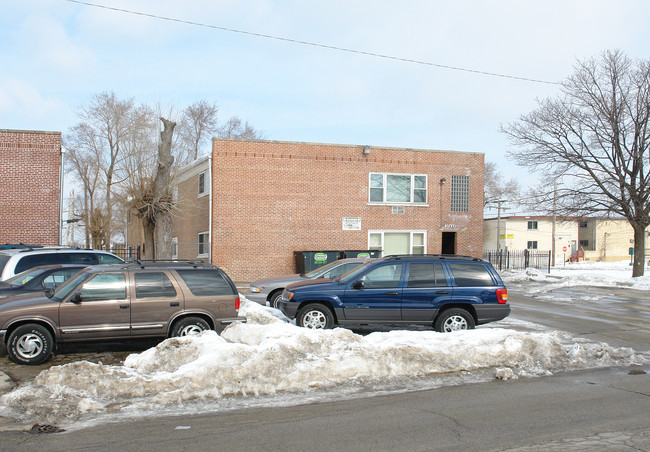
(30, 187)
(576, 238)
(608, 239)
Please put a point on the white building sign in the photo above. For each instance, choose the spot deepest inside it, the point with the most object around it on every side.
(351, 224)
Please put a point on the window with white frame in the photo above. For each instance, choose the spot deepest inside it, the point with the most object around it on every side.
(460, 193)
(174, 247)
(397, 242)
(532, 245)
(391, 188)
(532, 225)
(204, 180)
(204, 244)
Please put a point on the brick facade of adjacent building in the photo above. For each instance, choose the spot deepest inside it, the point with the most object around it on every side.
(30, 187)
(192, 215)
(272, 198)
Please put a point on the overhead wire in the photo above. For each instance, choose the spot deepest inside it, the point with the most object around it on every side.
(313, 44)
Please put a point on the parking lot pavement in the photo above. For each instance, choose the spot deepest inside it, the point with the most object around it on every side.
(618, 316)
(601, 409)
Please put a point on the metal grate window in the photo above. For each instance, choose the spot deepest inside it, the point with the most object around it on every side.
(204, 244)
(460, 193)
(204, 180)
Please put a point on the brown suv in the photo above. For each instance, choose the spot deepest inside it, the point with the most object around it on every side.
(119, 301)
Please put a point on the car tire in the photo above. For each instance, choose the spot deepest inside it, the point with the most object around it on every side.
(30, 344)
(189, 326)
(275, 298)
(315, 316)
(454, 319)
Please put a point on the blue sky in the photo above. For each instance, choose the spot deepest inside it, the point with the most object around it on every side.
(56, 54)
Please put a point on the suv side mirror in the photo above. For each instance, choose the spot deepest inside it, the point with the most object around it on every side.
(76, 298)
(358, 285)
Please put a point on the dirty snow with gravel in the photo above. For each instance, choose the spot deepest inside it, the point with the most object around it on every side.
(270, 361)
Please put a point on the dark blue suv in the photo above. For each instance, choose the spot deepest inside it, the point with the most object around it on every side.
(448, 292)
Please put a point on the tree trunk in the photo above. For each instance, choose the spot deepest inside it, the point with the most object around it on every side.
(163, 235)
(162, 192)
(148, 253)
(638, 267)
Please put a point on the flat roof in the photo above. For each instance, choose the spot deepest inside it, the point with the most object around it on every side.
(30, 131)
(343, 145)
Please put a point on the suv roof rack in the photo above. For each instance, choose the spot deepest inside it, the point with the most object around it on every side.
(438, 256)
(21, 245)
(196, 263)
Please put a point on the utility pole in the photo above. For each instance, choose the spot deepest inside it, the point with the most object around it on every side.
(71, 225)
(553, 228)
(499, 202)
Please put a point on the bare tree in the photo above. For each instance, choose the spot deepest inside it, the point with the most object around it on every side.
(125, 163)
(107, 128)
(163, 199)
(497, 188)
(86, 168)
(233, 128)
(591, 143)
(198, 123)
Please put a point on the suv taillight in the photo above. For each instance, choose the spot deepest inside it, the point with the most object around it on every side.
(502, 295)
(237, 302)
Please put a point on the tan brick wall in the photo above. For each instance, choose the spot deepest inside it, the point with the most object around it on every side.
(30, 163)
(273, 198)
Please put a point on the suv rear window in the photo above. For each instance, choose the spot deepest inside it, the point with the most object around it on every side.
(76, 258)
(471, 275)
(107, 259)
(426, 275)
(153, 285)
(206, 282)
(36, 260)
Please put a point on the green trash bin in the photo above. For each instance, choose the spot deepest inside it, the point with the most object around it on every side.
(361, 253)
(307, 261)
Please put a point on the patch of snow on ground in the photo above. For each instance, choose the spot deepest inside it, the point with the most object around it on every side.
(269, 357)
(586, 273)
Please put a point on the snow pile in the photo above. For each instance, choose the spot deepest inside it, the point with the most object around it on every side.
(594, 274)
(268, 357)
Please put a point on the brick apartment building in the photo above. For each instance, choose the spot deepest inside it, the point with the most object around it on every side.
(191, 225)
(271, 198)
(30, 187)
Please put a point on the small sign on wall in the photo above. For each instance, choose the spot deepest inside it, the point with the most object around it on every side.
(351, 224)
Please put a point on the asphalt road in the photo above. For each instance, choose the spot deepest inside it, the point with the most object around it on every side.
(605, 409)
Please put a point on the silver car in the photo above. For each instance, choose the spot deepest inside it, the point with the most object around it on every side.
(270, 289)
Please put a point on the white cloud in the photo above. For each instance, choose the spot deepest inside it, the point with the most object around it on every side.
(24, 107)
(46, 45)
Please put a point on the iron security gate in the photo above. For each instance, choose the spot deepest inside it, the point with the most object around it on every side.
(519, 260)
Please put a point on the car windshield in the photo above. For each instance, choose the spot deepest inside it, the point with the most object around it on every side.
(23, 278)
(354, 273)
(314, 273)
(64, 289)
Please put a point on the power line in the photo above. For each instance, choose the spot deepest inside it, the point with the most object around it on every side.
(313, 44)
